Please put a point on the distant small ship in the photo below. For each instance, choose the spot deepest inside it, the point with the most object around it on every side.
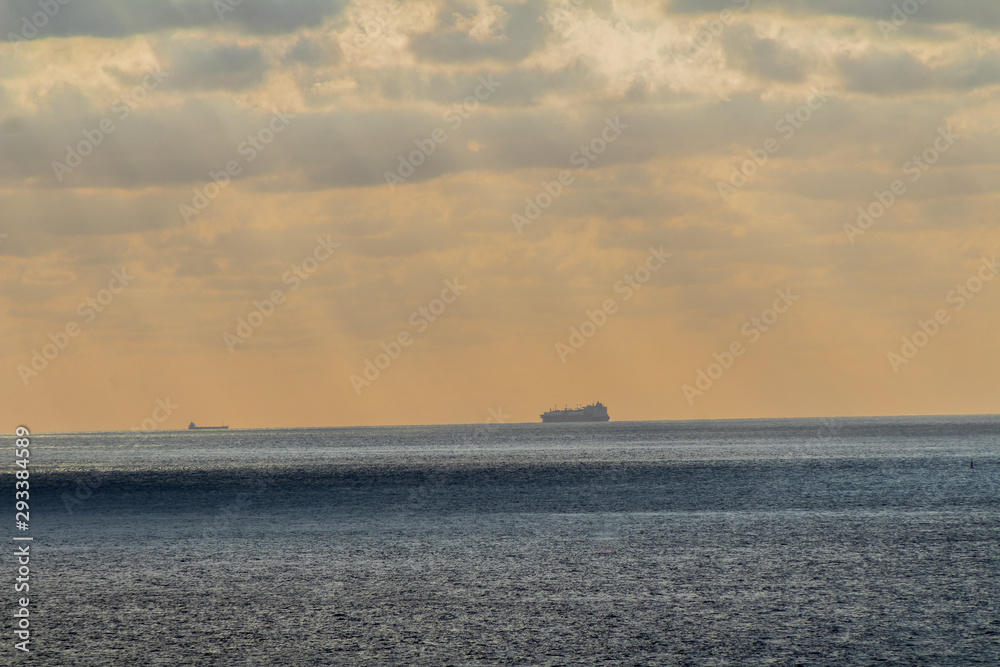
(192, 427)
(591, 413)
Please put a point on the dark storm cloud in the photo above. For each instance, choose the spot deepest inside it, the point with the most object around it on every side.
(762, 57)
(880, 72)
(195, 66)
(524, 32)
(121, 18)
(981, 13)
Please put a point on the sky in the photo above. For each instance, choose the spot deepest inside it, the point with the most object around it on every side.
(280, 213)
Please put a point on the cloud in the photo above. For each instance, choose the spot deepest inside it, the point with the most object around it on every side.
(195, 66)
(343, 148)
(311, 51)
(881, 72)
(356, 111)
(980, 13)
(471, 32)
(121, 18)
(86, 213)
(518, 87)
(766, 58)
(972, 73)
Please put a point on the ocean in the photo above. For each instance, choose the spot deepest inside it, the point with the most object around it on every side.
(849, 541)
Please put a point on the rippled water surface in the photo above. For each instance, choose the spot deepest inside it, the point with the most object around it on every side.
(817, 542)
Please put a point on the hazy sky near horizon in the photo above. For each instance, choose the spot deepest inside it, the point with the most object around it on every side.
(508, 167)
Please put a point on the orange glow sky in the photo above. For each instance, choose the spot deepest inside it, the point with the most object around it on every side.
(336, 94)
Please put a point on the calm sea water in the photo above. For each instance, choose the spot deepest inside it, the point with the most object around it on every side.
(843, 542)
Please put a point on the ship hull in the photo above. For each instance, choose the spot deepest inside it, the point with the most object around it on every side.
(574, 418)
(207, 428)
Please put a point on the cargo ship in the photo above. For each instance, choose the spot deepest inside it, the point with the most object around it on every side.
(597, 412)
(192, 427)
